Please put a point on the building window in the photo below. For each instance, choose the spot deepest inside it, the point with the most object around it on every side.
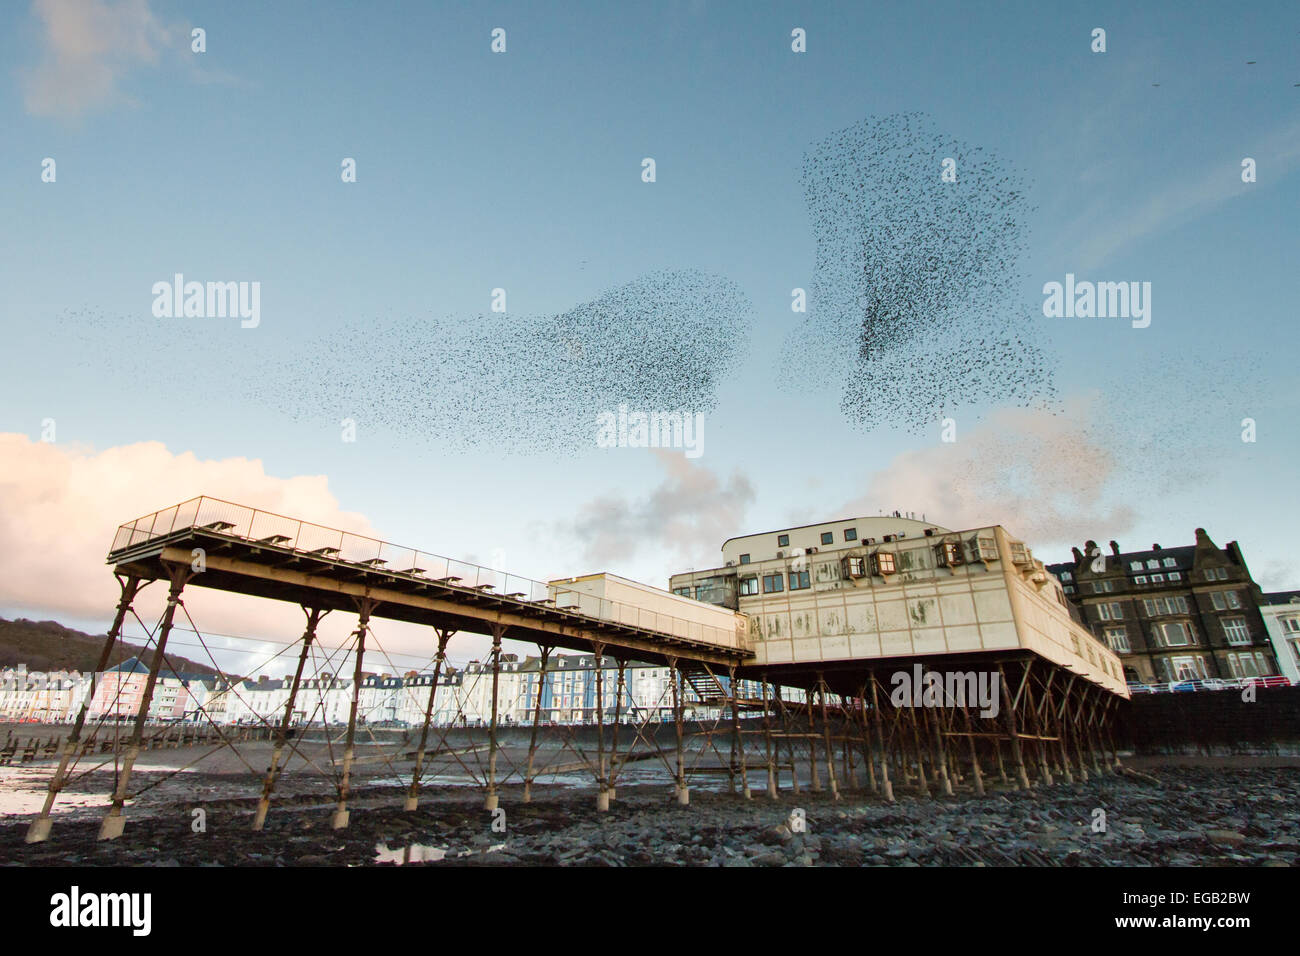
(1140, 579)
(949, 553)
(882, 562)
(744, 559)
(1225, 600)
(1171, 605)
(1171, 563)
(773, 583)
(1153, 563)
(1157, 579)
(856, 567)
(1291, 624)
(1111, 611)
(1216, 574)
(798, 580)
(1069, 589)
(682, 592)
(1184, 668)
(1173, 634)
(748, 586)
(1135, 565)
(850, 534)
(1117, 638)
(1234, 629)
(783, 541)
(1175, 576)
(828, 537)
(1067, 576)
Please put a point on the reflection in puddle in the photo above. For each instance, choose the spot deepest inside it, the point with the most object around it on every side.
(422, 853)
(415, 853)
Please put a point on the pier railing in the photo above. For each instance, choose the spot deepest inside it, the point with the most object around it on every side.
(253, 526)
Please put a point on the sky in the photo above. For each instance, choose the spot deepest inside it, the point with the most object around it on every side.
(523, 171)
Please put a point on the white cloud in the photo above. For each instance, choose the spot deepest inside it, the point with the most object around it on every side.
(1044, 476)
(89, 47)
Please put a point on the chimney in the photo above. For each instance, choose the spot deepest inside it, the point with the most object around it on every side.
(1078, 556)
(1155, 547)
(1114, 548)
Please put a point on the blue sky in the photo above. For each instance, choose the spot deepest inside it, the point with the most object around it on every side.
(522, 171)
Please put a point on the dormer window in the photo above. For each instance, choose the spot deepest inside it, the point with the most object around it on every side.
(882, 563)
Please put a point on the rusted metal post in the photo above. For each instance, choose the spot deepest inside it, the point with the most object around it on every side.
(941, 753)
(537, 719)
(830, 746)
(868, 758)
(602, 776)
(886, 788)
(413, 793)
(1009, 705)
(314, 616)
(767, 740)
(815, 781)
(921, 781)
(683, 792)
(789, 740)
(114, 822)
(490, 801)
(339, 820)
(618, 715)
(39, 829)
(737, 742)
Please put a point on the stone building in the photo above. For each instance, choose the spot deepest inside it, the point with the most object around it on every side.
(1190, 612)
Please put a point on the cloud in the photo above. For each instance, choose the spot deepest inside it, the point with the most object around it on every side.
(688, 514)
(61, 504)
(89, 47)
(1045, 476)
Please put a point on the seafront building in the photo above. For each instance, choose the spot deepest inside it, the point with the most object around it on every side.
(1281, 613)
(1190, 612)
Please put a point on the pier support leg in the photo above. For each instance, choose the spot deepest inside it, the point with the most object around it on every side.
(602, 775)
(886, 788)
(39, 829)
(675, 676)
(940, 753)
(815, 780)
(114, 822)
(1013, 730)
(830, 745)
(314, 616)
(737, 741)
(537, 719)
(339, 820)
(789, 741)
(767, 742)
(413, 793)
(618, 715)
(491, 800)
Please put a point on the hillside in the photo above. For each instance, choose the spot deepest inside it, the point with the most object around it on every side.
(49, 646)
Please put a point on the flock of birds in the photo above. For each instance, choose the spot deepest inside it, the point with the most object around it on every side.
(913, 296)
(661, 342)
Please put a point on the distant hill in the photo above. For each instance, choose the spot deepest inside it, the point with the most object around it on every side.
(49, 646)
